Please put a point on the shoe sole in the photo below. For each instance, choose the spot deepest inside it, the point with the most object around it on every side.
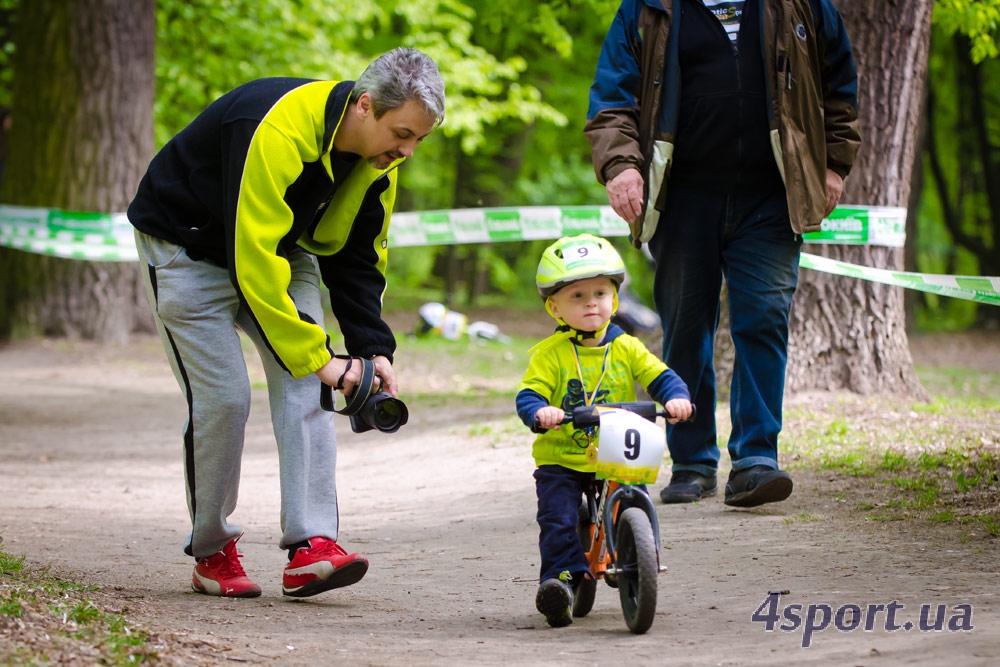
(771, 492)
(677, 498)
(554, 605)
(252, 593)
(347, 575)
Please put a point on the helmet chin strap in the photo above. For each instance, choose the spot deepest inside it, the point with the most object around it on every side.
(579, 335)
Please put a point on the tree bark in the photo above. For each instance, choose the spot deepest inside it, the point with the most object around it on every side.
(82, 134)
(846, 333)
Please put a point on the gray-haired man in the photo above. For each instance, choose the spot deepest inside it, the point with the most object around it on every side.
(278, 184)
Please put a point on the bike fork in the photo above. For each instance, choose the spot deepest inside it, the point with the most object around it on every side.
(635, 498)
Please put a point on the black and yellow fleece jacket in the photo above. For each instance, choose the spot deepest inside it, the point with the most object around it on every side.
(255, 175)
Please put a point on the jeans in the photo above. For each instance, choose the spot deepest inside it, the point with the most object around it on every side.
(747, 239)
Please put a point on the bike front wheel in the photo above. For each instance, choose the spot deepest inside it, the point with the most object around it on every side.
(636, 568)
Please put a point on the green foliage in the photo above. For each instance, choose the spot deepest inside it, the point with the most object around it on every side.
(208, 47)
(516, 76)
(979, 20)
(205, 48)
(956, 221)
(413, 268)
(7, 11)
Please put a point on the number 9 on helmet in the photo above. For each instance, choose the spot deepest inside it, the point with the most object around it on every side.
(574, 258)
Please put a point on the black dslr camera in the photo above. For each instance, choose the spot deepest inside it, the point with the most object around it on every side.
(367, 406)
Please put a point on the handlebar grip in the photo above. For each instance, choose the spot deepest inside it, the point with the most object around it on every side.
(587, 415)
(570, 417)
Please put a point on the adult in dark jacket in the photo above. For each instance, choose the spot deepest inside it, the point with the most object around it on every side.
(278, 185)
(748, 109)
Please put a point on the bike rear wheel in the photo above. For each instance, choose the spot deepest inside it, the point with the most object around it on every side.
(585, 591)
(583, 597)
(636, 568)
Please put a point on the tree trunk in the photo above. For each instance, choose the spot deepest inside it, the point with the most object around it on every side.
(912, 299)
(82, 135)
(846, 333)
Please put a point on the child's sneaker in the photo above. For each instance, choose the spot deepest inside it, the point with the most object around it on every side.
(322, 566)
(221, 574)
(555, 600)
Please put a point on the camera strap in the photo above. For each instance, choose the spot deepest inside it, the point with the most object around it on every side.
(369, 385)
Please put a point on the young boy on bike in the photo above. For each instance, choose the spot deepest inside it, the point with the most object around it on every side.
(588, 360)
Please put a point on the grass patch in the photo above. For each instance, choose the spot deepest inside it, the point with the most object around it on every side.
(43, 616)
(937, 461)
(961, 387)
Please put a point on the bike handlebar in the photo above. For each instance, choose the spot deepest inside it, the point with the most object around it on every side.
(584, 416)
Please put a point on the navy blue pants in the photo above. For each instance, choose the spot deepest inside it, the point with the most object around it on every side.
(560, 491)
(746, 238)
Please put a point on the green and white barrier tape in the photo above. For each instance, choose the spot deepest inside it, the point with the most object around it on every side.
(104, 237)
(108, 237)
(495, 225)
(973, 288)
(857, 225)
(862, 225)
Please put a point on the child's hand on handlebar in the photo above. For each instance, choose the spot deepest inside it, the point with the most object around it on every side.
(680, 409)
(549, 417)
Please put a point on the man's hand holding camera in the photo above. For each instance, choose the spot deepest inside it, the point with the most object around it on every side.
(376, 405)
(344, 376)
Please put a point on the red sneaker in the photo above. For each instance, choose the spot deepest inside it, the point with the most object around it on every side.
(322, 566)
(221, 574)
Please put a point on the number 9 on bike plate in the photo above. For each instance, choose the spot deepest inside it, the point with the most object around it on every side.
(630, 449)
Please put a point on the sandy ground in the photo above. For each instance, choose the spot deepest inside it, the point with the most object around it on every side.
(91, 484)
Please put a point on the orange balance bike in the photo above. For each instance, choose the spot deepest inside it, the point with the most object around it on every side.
(618, 527)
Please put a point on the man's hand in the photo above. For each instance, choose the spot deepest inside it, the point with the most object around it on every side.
(625, 194)
(834, 188)
(384, 369)
(333, 370)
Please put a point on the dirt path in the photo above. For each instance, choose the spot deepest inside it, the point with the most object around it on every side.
(91, 483)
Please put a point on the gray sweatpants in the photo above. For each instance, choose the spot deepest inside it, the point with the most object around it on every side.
(197, 313)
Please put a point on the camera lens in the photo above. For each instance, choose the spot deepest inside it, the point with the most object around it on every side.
(387, 415)
(382, 412)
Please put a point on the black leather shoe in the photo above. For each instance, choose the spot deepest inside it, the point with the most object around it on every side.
(757, 485)
(687, 486)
